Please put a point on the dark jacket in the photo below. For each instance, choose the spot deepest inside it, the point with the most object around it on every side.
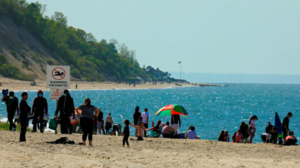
(65, 106)
(126, 130)
(39, 105)
(136, 117)
(245, 130)
(269, 128)
(24, 108)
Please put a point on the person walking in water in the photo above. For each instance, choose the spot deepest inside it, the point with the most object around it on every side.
(86, 119)
(175, 122)
(24, 111)
(108, 123)
(136, 117)
(145, 116)
(285, 124)
(12, 106)
(39, 107)
(66, 108)
(252, 126)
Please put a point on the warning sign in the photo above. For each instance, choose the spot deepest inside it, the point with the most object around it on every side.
(56, 93)
(58, 76)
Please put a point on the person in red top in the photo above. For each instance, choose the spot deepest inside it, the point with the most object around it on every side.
(290, 140)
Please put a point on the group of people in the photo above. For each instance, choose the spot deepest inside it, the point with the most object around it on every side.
(271, 136)
(92, 118)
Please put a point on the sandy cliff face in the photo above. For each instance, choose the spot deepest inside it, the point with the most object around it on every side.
(20, 47)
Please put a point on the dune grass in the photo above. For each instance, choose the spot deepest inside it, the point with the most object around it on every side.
(5, 127)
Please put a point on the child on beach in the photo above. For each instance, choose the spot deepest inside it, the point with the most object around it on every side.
(238, 136)
(140, 129)
(126, 132)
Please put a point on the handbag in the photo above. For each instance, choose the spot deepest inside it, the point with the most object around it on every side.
(53, 123)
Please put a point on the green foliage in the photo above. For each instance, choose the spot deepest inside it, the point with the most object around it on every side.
(88, 58)
(26, 63)
(43, 70)
(13, 53)
(5, 127)
(50, 62)
(22, 55)
(10, 71)
(3, 59)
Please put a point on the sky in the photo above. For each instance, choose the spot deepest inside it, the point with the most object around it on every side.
(207, 36)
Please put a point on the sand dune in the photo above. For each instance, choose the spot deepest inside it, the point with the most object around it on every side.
(108, 152)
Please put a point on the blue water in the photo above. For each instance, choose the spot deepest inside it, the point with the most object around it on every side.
(211, 109)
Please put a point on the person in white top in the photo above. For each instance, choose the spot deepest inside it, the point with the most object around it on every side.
(192, 133)
(145, 116)
(252, 126)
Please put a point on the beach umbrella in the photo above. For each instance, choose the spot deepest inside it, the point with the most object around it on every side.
(172, 109)
(278, 126)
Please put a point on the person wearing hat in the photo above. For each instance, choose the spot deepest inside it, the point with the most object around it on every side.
(285, 125)
(39, 107)
(66, 108)
(252, 126)
(11, 106)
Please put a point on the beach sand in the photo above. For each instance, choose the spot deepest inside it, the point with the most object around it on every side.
(17, 85)
(108, 152)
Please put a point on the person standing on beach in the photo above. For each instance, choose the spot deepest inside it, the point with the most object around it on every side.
(100, 122)
(252, 126)
(285, 124)
(12, 106)
(86, 119)
(108, 123)
(39, 107)
(126, 132)
(24, 111)
(66, 108)
(145, 116)
(175, 122)
(136, 117)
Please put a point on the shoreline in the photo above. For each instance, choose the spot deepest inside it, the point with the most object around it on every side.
(17, 85)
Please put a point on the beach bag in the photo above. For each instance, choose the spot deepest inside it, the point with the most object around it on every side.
(74, 120)
(53, 123)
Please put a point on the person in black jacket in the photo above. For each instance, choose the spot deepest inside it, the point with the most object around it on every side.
(269, 128)
(126, 132)
(66, 108)
(244, 128)
(136, 117)
(39, 108)
(12, 106)
(24, 111)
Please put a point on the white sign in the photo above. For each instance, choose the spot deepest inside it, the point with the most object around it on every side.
(58, 76)
(56, 93)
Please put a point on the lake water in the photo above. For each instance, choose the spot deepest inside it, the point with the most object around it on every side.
(211, 109)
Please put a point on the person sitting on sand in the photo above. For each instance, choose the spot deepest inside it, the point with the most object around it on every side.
(126, 132)
(221, 136)
(238, 136)
(86, 119)
(290, 140)
(273, 136)
(226, 136)
(269, 128)
(167, 129)
(108, 123)
(140, 129)
(244, 127)
(192, 133)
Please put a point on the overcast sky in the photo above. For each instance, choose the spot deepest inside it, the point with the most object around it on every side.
(209, 36)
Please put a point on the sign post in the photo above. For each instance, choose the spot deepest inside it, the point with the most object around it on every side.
(58, 79)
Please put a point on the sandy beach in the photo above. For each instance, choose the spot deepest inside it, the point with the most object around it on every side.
(17, 85)
(108, 152)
